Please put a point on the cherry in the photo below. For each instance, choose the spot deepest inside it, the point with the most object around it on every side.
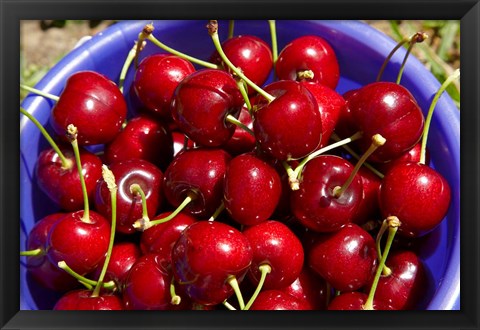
(207, 257)
(129, 206)
(252, 189)
(82, 300)
(201, 104)
(346, 258)
(309, 53)
(179, 140)
(417, 194)
(278, 300)
(241, 140)
(412, 155)
(156, 79)
(62, 184)
(142, 138)
(274, 244)
(355, 301)
(249, 53)
(92, 103)
(388, 109)
(198, 173)
(368, 207)
(315, 204)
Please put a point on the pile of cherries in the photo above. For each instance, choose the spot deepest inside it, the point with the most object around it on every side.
(215, 189)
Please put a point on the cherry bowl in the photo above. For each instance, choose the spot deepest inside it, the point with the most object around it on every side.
(361, 51)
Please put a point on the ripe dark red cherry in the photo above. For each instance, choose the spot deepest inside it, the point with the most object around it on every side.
(252, 189)
(346, 258)
(354, 301)
(309, 287)
(417, 195)
(156, 79)
(206, 256)
(309, 53)
(241, 140)
(390, 110)
(201, 103)
(62, 185)
(278, 300)
(94, 104)
(83, 300)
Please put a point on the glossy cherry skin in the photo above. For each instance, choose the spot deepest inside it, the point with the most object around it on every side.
(156, 79)
(142, 138)
(346, 258)
(252, 189)
(179, 142)
(201, 171)
(147, 286)
(309, 287)
(82, 300)
(201, 103)
(368, 207)
(406, 286)
(129, 204)
(309, 53)
(330, 104)
(82, 245)
(354, 301)
(388, 109)
(290, 126)
(273, 243)
(315, 205)
(417, 195)
(412, 155)
(94, 104)
(62, 185)
(159, 239)
(250, 54)
(41, 269)
(205, 256)
(278, 300)
(241, 141)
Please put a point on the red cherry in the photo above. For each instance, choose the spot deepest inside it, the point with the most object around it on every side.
(179, 142)
(201, 103)
(412, 155)
(346, 258)
(206, 256)
(94, 104)
(241, 140)
(62, 185)
(156, 79)
(278, 300)
(309, 287)
(252, 189)
(417, 195)
(83, 300)
(368, 207)
(309, 53)
(354, 301)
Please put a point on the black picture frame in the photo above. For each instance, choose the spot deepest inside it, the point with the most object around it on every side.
(12, 11)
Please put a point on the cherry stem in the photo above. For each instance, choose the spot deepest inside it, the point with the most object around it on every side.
(378, 241)
(176, 299)
(217, 212)
(230, 307)
(295, 176)
(428, 119)
(33, 253)
(307, 74)
(39, 92)
(136, 189)
(109, 178)
(144, 226)
(243, 90)
(161, 45)
(393, 224)
(387, 59)
(336, 138)
(235, 121)
(232, 280)
(213, 31)
(377, 141)
(264, 270)
(417, 37)
(66, 163)
(328, 290)
(110, 285)
(273, 34)
(146, 31)
(132, 55)
(72, 133)
(231, 27)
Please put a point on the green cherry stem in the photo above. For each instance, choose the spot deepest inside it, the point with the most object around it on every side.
(110, 285)
(109, 178)
(265, 269)
(377, 141)
(146, 31)
(66, 163)
(232, 280)
(32, 253)
(243, 90)
(213, 31)
(428, 119)
(393, 224)
(228, 306)
(273, 34)
(39, 92)
(231, 28)
(378, 241)
(72, 133)
(132, 54)
(143, 222)
(176, 299)
(416, 38)
(217, 212)
(235, 121)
